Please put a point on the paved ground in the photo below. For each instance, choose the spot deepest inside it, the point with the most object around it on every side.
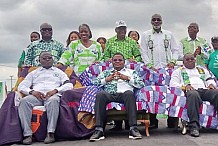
(162, 136)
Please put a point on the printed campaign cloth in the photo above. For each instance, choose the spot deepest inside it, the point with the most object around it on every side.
(156, 97)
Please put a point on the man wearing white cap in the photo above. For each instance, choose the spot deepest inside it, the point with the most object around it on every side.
(123, 44)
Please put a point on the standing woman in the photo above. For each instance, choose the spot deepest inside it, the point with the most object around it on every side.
(134, 35)
(34, 36)
(82, 53)
(102, 41)
(74, 35)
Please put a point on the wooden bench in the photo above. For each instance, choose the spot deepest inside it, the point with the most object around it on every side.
(142, 116)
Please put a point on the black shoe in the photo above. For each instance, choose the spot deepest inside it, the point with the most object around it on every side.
(127, 125)
(153, 124)
(172, 122)
(135, 134)
(27, 140)
(49, 139)
(96, 136)
(116, 128)
(194, 133)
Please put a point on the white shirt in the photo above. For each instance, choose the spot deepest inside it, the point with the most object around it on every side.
(45, 80)
(159, 52)
(122, 85)
(194, 77)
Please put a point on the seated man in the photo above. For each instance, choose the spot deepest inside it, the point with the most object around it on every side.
(118, 85)
(198, 85)
(42, 87)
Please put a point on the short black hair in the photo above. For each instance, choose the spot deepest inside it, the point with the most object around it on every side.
(118, 53)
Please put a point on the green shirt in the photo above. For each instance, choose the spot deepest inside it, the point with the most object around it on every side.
(213, 63)
(112, 87)
(189, 46)
(80, 56)
(35, 48)
(128, 47)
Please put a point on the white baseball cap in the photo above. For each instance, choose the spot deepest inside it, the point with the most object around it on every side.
(120, 23)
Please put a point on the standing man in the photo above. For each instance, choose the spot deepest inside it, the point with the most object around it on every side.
(123, 44)
(42, 87)
(158, 46)
(198, 85)
(159, 49)
(193, 44)
(47, 43)
(118, 86)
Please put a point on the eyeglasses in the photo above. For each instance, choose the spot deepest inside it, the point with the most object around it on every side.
(117, 60)
(192, 27)
(189, 59)
(46, 29)
(46, 58)
(156, 19)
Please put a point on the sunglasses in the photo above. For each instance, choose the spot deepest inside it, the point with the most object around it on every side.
(189, 59)
(156, 19)
(46, 29)
(46, 58)
(117, 60)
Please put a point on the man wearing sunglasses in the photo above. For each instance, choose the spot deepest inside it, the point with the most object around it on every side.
(47, 43)
(118, 85)
(42, 87)
(159, 49)
(199, 85)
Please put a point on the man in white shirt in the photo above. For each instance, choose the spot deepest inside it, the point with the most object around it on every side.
(42, 87)
(159, 49)
(158, 46)
(199, 85)
(118, 85)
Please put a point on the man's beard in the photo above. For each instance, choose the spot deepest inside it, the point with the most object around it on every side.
(157, 27)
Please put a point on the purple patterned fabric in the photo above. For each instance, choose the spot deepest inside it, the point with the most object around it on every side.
(156, 97)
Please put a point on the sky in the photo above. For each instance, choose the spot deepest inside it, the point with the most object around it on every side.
(18, 18)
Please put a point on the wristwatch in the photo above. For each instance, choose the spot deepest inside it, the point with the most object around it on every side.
(31, 92)
(128, 78)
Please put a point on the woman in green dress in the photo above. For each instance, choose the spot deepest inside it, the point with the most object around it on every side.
(82, 53)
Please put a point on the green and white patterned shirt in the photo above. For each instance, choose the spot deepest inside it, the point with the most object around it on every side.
(119, 86)
(35, 48)
(80, 56)
(189, 46)
(128, 47)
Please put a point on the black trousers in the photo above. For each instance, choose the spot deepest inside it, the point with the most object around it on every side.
(194, 100)
(103, 98)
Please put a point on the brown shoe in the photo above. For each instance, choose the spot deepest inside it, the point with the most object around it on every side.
(27, 140)
(49, 139)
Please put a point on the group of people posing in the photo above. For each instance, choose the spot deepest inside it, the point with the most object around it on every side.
(158, 49)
